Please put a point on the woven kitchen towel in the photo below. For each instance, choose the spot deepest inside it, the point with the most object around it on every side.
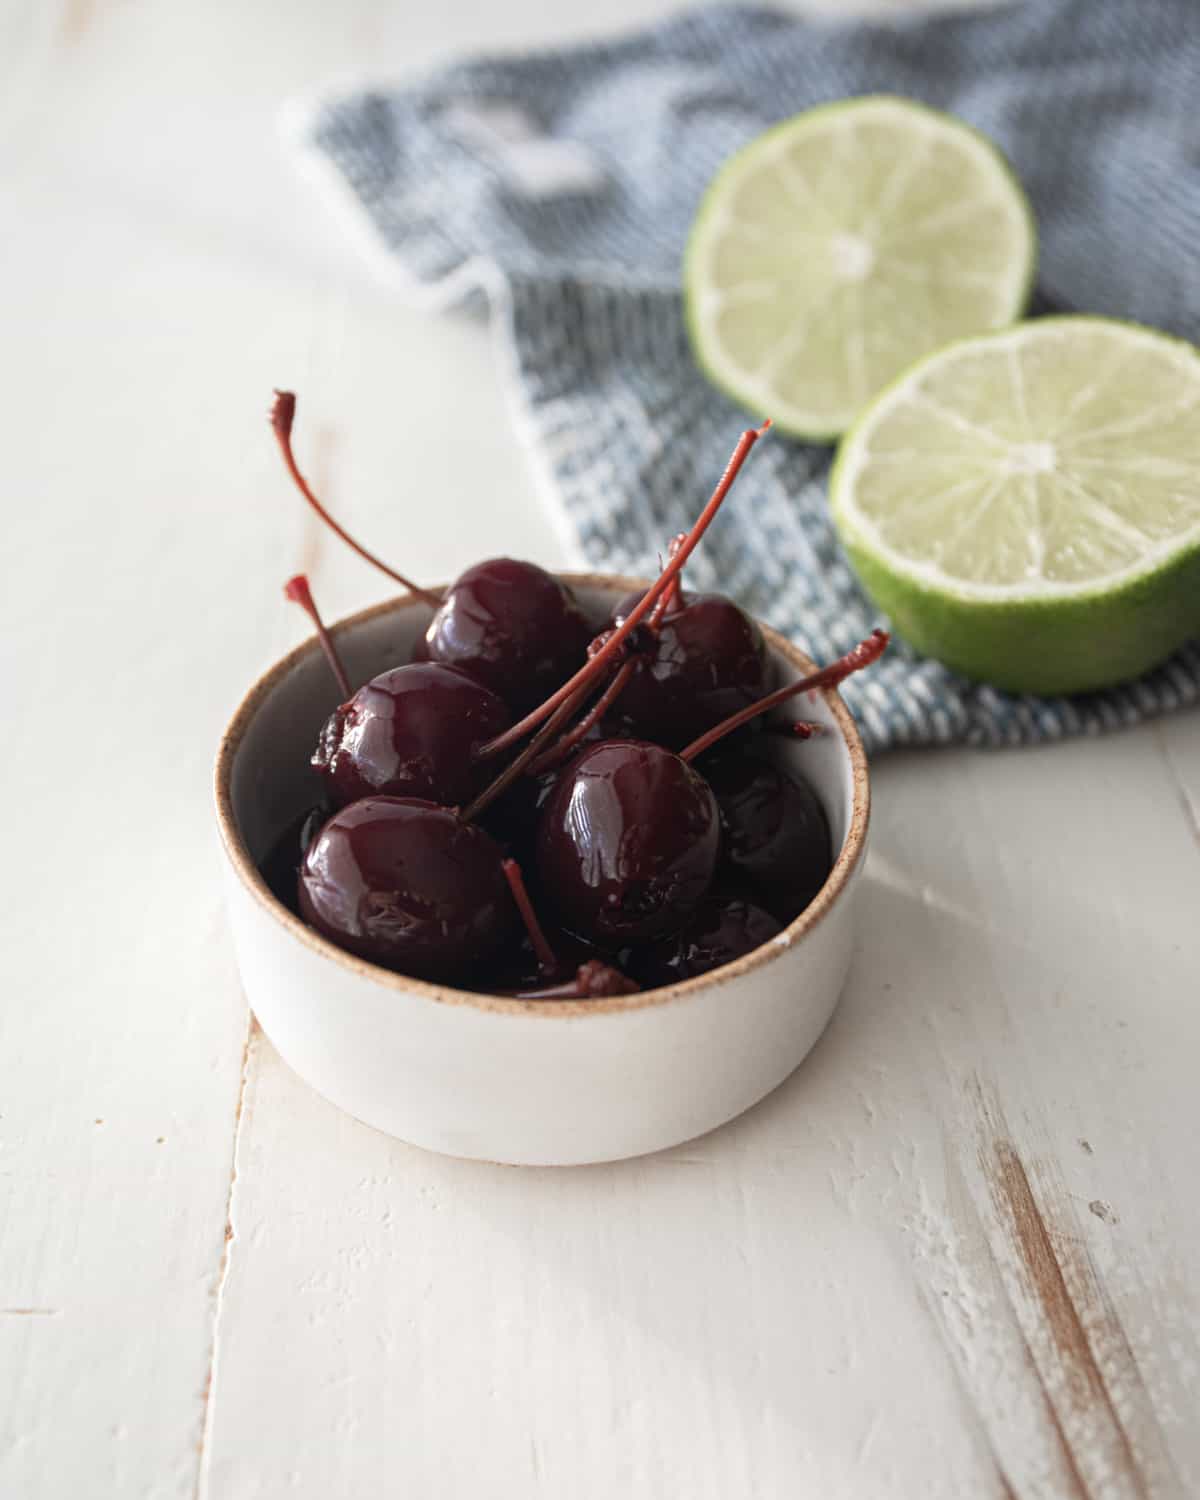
(560, 187)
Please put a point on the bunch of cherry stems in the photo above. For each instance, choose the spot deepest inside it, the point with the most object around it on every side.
(553, 741)
(609, 649)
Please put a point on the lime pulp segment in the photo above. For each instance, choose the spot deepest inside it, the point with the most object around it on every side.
(1034, 494)
(841, 246)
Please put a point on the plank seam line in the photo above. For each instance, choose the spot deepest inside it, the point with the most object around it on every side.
(1191, 811)
(223, 1269)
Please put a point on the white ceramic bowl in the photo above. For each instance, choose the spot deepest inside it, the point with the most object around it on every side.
(519, 1081)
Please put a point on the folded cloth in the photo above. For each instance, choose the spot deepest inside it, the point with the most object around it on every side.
(561, 185)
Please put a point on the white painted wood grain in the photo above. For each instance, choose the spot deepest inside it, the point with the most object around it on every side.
(1180, 740)
(794, 1300)
(121, 1030)
(163, 270)
(823, 1298)
(705, 1322)
(1053, 933)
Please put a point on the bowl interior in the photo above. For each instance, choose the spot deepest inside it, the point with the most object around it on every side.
(264, 763)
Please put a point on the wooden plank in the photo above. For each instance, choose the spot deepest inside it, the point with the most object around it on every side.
(831, 1295)
(847, 1292)
(156, 504)
(705, 1322)
(1058, 1030)
(1180, 740)
(146, 319)
(121, 1039)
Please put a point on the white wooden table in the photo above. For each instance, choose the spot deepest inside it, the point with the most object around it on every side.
(954, 1256)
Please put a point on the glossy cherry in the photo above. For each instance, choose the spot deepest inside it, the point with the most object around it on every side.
(616, 645)
(407, 884)
(776, 835)
(830, 676)
(524, 966)
(592, 980)
(282, 863)
(513, 627)
(520, 967)
(722, 929)
(705, 660)
(512, 820)
(410, 732)
(628, 832)
(624, 606)
(627, 842)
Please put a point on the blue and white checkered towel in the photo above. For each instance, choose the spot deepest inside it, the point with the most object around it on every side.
(561, 185)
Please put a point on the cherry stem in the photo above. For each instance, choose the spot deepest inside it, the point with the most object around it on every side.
(297, 590)
(672, 596)
(283, 413)
(546, 956)
(593, 980)
(518, 765)
(855, 660)
(591, 668)
(559, 752)
(802, 729)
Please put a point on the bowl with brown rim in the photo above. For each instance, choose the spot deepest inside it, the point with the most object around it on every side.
(529, 1082)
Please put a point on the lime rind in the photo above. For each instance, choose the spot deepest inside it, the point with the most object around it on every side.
(1036, 635)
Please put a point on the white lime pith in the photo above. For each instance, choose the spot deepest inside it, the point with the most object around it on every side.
(844, 244)
(1026, 506)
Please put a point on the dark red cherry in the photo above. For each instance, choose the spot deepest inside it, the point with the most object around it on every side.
(410, 732)
(550, 963)
(677, 600)
(597, 614)
(409, 885)
(627, 843)
(314, 820)
(520, 968)
(281, 864)
(707, 660)
(512, 820)
(720, 931)
(513, 627)
(592, 980)
(608, 654)
(776, 834)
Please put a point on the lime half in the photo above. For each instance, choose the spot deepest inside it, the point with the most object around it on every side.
(844, 244)
(1026, 506)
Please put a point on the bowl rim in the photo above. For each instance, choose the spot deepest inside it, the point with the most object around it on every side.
(247, 871)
